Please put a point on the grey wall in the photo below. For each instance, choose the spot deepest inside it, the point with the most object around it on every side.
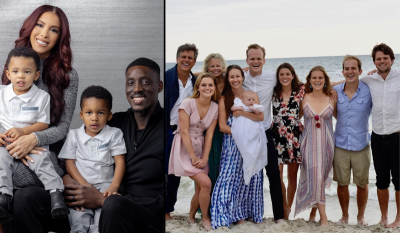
(105, 37)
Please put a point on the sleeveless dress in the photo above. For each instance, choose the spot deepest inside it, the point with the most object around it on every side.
(317, 148)
(180, 163)
(286, 127)
(232, 200)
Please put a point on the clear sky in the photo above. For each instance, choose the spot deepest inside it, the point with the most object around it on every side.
(302, 28)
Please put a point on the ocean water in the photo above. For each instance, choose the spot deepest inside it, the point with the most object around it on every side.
(333, 66)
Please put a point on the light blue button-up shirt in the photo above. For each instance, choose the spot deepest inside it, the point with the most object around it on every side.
(352, 118)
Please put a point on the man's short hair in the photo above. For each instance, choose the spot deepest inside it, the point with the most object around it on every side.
(384, 49)
(350, 57)
(187, 47)
(25, 52)
(152, 65)
(97, 92)
(255, 46)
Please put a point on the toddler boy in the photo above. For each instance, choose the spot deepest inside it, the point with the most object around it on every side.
(25, 109)
(90, 152)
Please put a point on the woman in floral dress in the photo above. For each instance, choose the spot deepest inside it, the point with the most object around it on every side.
(286, 128)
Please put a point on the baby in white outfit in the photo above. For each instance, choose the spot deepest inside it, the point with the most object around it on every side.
(249, 136)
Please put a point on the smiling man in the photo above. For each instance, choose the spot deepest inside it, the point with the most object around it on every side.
(384, 86)
(263, 83)
(140, 207)
(179, 82)
(352, 138)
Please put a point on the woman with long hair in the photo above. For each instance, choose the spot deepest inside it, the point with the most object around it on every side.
(232, 200)
(215, 64)
(190, 148)
(287, 127)
(316, 145)
(46, 31)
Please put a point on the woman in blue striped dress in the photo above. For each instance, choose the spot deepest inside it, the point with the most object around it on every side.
(232, 200)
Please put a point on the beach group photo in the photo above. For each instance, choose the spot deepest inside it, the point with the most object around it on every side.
(221, 135)
(281, 118)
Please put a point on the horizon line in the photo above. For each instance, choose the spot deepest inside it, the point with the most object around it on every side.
(289, 57)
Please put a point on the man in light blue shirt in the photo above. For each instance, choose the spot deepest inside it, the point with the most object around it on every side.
(352, 149)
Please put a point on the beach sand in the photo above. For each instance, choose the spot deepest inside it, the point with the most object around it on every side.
(296, 224)
(179, 225)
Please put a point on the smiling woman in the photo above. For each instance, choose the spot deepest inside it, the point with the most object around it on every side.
(45, 35)
(190, 148)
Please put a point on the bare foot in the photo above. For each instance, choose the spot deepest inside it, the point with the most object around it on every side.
(286, 213)
(168, 216)
(395, 224)
(278, 221)
(324, 222)
(207, 224)
(383, 222)
(240, 222)
(343, 220)
(191, 220)
(361, 222)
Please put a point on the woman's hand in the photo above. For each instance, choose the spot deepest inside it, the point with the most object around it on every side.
(372, 72)
(194, 160)
(22, 146)
(201, 163)
(334, 95)
(237, 113)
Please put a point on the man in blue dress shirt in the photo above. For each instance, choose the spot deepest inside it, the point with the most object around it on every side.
(352, 149)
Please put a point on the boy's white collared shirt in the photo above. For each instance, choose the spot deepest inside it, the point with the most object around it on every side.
(94, 155)
(23, 110)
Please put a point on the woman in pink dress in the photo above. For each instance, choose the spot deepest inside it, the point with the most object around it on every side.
(190, 148)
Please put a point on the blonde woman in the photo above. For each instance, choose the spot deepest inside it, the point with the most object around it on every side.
(190, 148)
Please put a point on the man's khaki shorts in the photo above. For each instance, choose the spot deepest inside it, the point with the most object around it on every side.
(345, 160)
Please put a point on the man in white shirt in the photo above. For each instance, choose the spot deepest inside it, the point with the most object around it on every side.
(179, 83)
(384, 86)
(263, 83)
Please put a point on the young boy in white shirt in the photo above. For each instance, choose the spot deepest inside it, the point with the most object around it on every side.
(25, 109)
(90, 152)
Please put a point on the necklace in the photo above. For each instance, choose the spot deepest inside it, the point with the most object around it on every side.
(284, 98)
(318, 98)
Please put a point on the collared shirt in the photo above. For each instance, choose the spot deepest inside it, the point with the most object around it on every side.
(184, 92)
(386, 102)
(352, 118)
(23, 110)
(263, 85)
(93, 155)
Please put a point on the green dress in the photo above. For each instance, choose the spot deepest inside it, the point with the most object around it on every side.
(215, 155)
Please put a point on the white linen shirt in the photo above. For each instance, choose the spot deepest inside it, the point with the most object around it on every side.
(184, 92)
(385, 102)
(23, 110)
(263, 85)
(94, 155)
